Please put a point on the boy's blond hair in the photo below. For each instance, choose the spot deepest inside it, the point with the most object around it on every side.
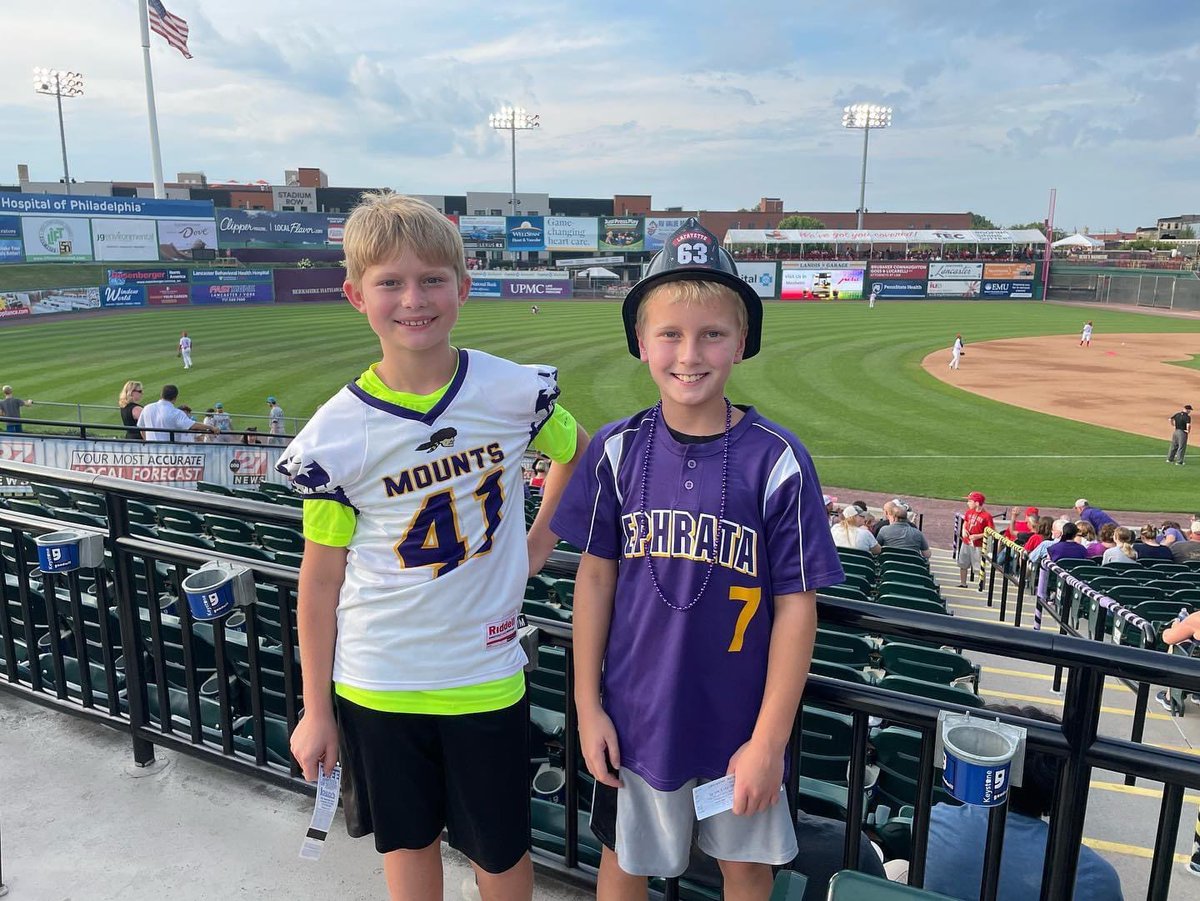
(694, 292)
(384, 225)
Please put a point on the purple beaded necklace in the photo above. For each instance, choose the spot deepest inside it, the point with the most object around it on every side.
(644, 521)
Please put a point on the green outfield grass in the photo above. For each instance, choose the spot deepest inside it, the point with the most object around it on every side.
(846, 379)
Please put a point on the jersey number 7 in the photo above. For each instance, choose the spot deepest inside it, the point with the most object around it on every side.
(433, 538)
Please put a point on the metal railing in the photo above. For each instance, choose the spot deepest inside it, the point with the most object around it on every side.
(72, 414)
(149, 676)
(102, 431)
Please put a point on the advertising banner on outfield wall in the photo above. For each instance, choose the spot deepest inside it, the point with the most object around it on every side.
(147, 276)
(167, 295)
(762, 277)
(163, 463)
(1010, 271)
(230, 276)
(886, 270)
(233, 293)
(11, 250)
(64, 300)
(533, 284)
(179, 239)
(912, 289)
(59, 239)
(522, 233)
(621, 233)
(482, 232)
(816, 280)
(1015, 290)
(268, 228)
(955, 271)
(123, 296)
(92, 205)
(124, 239)
(304, 285)
(659, 228)
(571, 232)
(14, 304)
(954, 288)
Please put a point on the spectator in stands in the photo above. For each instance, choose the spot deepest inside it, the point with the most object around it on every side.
(1041, 531)
(223, 425)
(870, 523)
(1122, 550)
(889, 508)
(1188, 549)
(129, 402)
(1067, 547)
(187, 437)
(958, 834)
(1103, 541)
(850, 531)
(1172, 531)
(899, 532)
(970, 549)
(1085, 534)
(10, 407)
(1023, 523)
(251, 436)
(161, 418)
(540, 469)
(1094, 515)
(1147, 546)
(1056, 527)
(830, 510)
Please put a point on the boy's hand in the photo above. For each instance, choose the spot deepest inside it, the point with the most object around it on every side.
(315, 739)
(757, 775)
(598, 741)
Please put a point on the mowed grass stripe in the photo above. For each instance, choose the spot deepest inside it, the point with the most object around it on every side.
(846, 379)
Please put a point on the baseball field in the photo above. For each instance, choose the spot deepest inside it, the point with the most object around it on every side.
(848, 380)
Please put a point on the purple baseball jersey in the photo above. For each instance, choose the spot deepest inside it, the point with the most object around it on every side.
(683, 686)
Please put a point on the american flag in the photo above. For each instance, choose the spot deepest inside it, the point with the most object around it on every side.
(170, 26)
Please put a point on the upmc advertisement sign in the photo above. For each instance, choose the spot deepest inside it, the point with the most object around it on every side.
(536, 288)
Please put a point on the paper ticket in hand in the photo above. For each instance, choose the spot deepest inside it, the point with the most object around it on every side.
(329, 785)
(713, 797)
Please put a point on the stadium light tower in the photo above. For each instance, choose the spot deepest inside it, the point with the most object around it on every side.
(865, 116)
(512, 119)
(59, 84)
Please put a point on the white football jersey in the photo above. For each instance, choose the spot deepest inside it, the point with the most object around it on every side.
(436, 569)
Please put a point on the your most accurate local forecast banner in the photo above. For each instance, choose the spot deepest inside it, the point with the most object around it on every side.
(68, 228)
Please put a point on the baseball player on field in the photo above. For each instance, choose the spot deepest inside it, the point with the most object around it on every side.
(185, 350)
(705, 538)
(276, 419)
(415, 565)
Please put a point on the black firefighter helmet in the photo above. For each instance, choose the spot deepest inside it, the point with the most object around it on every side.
(693, 253)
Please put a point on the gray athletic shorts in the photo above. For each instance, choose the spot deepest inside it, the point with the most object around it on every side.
(969, 556)
(651, 831)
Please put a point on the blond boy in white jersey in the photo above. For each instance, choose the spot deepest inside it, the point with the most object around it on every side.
(415, 564)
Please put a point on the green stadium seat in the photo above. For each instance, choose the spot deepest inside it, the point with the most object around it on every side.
(898, 756)
(851, 885)
(854, 554)
(789, 886)
(903, 554)
(52, 497)
(142, 514)
(840, 671)
(539, 588)
(285, 558)
(187, 539)
(563, 592)
(30, 508)
(930, 664)
(847, 591)
(245, 551)
(279, 538)
(544, 610)
(180, 520)
(825, 744)
(227, 528)
(87, 502)
(214, 488)
(935, 691)
(912, 602)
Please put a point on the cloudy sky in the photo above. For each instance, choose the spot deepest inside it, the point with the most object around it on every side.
(702, 104)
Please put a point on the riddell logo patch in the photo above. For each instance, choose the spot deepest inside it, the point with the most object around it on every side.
(500, 631)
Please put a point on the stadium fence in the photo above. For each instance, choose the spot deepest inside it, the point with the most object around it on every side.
(91, 622)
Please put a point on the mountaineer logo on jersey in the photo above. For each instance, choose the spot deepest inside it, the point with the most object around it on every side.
(441, 438)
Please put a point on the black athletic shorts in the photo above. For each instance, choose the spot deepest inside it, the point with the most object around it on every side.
(408, 776)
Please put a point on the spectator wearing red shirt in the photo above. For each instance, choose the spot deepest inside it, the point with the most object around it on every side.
(1042, 531)
(1022, 524)
(970, 551)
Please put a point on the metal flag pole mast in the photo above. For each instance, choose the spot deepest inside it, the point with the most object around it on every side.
(1048, 253)
(155, 152)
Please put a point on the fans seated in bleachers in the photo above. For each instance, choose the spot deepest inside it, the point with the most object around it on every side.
(1041, 532)
(1122, 550)
(851, 532)
(901, 533)
(1067, 547)
(1147, 546)
(1103, 541)
(1188, 548)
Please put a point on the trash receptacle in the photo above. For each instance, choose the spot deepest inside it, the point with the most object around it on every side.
(978, 757)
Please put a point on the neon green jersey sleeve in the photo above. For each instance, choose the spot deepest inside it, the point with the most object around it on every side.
(558, 436)
(329, 522)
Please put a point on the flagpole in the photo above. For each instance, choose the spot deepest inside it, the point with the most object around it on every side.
(155, 153)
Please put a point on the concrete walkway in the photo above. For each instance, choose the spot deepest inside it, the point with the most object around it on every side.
(81, 824)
